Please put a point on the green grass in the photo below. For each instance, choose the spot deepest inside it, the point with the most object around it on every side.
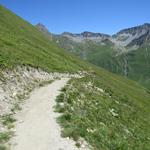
(117, 119)
(8, 121)
(2, 147)
(44, 83)
(114, 120)
(139, 65)
(5, 136)
(22, 44)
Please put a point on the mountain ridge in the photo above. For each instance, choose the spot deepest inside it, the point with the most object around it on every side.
(126, 52)
(128, 35)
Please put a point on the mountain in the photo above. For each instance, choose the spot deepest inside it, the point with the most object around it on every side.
(126, 52)
(82, 37)
(135, 53)
(107, 110)
(42, 28)
(128, 36)
(124, 37)
(142, 40)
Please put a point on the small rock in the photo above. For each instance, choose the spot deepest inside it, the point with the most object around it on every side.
(14, 94)
(21, 121)
(112, 111)
(83, 146)
(67, 138)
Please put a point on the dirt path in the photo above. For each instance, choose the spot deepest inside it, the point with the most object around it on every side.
(36, 127)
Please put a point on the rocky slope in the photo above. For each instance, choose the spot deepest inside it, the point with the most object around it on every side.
(84, 36)
(15, 87)
(18, 82)
(128, 36)
(42, 28)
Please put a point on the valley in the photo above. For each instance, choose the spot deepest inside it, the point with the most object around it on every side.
(50, 98)
(126, 52)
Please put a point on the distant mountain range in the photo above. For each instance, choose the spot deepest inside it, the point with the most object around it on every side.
(128, 37)
(126, 52)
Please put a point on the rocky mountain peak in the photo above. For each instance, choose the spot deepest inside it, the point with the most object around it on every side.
(135, 30)
(42, 27)
(132, 36)
(92, 34)
(85, 34)
(67, 34)
(147, 25)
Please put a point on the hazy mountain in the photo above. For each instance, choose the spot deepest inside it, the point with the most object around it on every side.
(84, 36)
(127, 36)
(42, 28)
(126, 52)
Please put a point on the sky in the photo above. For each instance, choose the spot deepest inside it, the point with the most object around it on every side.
(105, 16)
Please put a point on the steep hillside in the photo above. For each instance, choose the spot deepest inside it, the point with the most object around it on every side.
(99, 99)
(23, 44)
(107, 113)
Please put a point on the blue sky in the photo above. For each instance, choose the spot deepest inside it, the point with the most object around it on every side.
(106, 16)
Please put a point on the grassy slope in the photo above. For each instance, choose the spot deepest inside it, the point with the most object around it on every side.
(87, 112)
(21, 43)
(139, 65)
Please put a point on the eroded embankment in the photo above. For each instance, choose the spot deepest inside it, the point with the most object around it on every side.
(15, 87)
